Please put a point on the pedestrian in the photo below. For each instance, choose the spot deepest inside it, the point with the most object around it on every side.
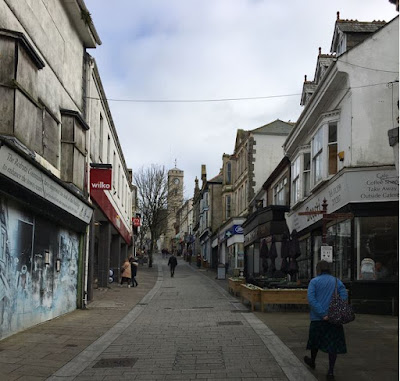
(324, 335)
(172, 262)
(134, 265)
(126, 273)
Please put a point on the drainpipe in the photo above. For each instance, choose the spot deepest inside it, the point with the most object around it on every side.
(90, 65)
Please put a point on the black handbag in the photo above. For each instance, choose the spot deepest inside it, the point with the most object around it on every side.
(340, 312)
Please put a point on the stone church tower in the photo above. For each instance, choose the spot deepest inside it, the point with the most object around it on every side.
(175, 201)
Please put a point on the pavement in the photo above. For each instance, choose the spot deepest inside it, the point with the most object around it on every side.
(187, 328)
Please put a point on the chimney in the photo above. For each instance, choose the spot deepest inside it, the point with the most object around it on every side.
(337, 15)
(203, 174)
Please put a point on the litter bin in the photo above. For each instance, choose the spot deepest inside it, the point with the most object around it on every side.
(221, 271)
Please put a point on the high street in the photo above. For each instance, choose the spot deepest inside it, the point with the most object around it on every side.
(185, 328)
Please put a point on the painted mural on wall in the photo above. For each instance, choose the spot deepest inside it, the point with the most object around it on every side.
(38, 269)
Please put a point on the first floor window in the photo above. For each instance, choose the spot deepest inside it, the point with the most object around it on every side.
(280, 192)
(296, 191)
(228, 207)
(317, 158)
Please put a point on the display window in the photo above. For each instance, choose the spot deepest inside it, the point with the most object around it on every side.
(376, 246)
(304, 261)
(339, 237)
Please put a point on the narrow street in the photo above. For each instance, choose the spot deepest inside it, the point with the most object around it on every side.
(187, 327)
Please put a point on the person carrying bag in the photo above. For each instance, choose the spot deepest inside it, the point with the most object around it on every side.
(324, 334)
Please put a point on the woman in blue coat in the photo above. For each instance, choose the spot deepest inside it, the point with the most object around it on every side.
(323, 335)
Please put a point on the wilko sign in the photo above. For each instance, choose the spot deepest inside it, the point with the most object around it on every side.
(136, 222)
(100, 179)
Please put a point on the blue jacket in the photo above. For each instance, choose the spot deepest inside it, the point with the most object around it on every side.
(319, 294)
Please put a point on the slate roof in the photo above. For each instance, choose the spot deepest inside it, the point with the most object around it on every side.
(277, 127)
(355, 26)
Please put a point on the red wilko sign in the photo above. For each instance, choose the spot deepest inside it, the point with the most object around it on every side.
(136, 222)
(100, 179)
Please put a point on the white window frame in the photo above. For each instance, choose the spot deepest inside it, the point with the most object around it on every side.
(296, 180)
(317, 156)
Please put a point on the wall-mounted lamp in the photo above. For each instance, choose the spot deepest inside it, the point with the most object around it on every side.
(58, 265)
(46, 257)
(341, 155)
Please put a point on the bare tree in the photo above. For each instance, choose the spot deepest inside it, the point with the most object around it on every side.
(152, 186)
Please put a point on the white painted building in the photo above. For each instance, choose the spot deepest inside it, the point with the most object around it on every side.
(339, 151)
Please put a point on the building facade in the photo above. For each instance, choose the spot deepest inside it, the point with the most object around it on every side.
(341, 160)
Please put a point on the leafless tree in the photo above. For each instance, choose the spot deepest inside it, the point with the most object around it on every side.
(152, 186)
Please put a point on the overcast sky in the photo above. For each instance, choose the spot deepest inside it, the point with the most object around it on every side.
(209, 50)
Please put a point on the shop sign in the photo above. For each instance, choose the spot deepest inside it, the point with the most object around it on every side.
(352, 186)
(100, 179)
(136, 222)
(26, 174)
(327, 253)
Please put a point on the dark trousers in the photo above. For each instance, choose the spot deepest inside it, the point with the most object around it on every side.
(172, 270)
(134, 282)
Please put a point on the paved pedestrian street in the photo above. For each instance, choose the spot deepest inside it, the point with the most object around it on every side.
(186, 328)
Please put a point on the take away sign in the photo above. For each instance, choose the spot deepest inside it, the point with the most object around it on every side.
(100, 179)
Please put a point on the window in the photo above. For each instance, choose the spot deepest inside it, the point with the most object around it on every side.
(229, 173)
(101, 139)
(332, 149)
(279, 192)
(296, 192)
(108, 149)
(114, 168)
(119, 181)
(376, 244)
(228, 207)
(306, 173)
(317, 159)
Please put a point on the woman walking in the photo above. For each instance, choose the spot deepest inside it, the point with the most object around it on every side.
(126, 273)
(323, 335)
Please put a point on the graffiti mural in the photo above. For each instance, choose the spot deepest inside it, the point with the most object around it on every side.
(38, 269)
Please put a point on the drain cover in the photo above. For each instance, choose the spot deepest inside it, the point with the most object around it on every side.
(229, 323)
(116, 363)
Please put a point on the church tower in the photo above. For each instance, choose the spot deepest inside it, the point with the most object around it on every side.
(175, 201)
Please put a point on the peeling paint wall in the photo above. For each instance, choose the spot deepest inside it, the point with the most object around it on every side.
(32, 288)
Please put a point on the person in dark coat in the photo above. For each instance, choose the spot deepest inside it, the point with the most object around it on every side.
(172, 262)
(134, 265)
(324, 335)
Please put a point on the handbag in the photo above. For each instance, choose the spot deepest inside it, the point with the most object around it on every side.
(340, 312)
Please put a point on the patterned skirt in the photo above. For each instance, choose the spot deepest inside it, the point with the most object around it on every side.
(327, 337)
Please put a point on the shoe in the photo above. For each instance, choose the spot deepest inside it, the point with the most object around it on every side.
(309, 362)
(129, 286)
(330, 376)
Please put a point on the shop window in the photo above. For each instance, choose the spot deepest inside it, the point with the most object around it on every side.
(317, 158)
(339, 237)
(305, 259)
(332, 149)
(376, 247)
(296, 193)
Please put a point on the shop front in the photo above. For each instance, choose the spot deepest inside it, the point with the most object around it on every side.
(264, 231)
(43, 223)
(361, 227)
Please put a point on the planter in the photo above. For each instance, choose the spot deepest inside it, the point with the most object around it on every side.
(283, 296)
(234, 285)
(250, 293)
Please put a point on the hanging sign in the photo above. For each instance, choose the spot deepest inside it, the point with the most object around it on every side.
(100, 179)
(136, 222)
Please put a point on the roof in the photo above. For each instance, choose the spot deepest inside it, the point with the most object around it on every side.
(277, 127)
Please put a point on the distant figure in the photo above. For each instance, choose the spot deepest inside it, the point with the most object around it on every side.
(126, 273)
(134, 266)
(172, 262)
